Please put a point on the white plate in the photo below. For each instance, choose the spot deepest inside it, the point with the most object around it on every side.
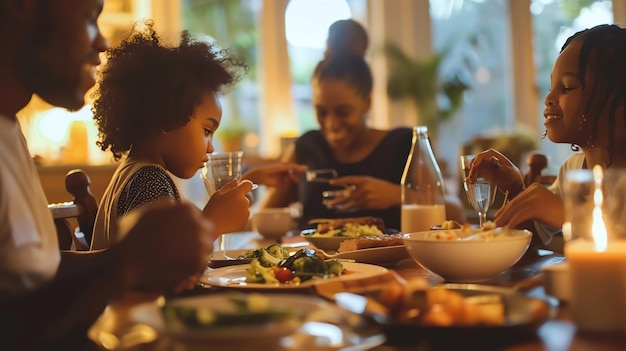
(376, 255)
(326, 327)
(235, 277)
(150, 314)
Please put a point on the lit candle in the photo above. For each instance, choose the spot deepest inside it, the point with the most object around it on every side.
(598, 274)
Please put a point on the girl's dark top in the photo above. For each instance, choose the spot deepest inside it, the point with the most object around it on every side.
(385, 162)
(148, 184)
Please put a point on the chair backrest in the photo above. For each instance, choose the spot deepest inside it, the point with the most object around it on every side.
(83, 208)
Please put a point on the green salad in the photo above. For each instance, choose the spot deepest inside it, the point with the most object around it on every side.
(275, 265)
(250, 309)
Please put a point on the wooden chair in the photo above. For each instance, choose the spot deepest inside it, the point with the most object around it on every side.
(81, 211)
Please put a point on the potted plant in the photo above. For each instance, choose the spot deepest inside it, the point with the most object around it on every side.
(436, 96)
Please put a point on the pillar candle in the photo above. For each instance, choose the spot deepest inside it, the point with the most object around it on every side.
(598, 285)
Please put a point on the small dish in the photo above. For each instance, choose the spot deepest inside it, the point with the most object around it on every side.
(326, 243)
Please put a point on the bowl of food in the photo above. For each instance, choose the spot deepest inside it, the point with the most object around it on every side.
(467, 255)
(272, 223)
(330, 233)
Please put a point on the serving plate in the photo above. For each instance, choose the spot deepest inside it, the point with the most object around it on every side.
(235, 277)
(330, 243)
(324, 326)
(524, 315)
(267, 331)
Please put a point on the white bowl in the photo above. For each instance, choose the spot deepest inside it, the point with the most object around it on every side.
(467, 261)
(326, 243)
(272, 223)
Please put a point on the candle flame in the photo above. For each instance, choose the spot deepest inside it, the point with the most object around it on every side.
(598, 229)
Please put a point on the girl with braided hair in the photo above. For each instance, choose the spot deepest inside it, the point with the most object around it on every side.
(585, 108)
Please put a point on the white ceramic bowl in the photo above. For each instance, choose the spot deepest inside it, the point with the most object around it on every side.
(467, 261)
(272, 223)
(326, 243)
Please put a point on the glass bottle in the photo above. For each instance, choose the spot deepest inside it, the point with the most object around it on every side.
(422, 187)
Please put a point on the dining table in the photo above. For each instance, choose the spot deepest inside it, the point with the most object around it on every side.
(116, 330)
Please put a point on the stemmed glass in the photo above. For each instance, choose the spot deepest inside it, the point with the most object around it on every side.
(480, 193)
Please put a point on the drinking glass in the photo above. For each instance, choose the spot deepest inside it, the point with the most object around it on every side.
(221, 168)
(325, 176)
(480, 193)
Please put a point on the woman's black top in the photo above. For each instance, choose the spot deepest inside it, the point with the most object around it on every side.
(385, 162)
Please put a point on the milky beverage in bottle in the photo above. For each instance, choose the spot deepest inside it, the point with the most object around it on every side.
(422, 187)
(417, 218)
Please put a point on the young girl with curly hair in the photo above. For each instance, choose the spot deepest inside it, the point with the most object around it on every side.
(158, 106)
(585, 108)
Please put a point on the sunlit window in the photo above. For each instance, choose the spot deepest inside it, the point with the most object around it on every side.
(307, 23)
(477, 32)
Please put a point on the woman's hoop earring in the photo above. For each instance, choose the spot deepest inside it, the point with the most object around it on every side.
(544, 135)
(574, 147)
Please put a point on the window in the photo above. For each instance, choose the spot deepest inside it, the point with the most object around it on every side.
(490, 108)
(233, 24)
(307, 23)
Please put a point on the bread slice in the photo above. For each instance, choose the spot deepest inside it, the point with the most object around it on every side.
(368, 242)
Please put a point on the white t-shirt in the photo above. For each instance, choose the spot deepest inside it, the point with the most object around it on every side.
(614, 201)
(29, 248)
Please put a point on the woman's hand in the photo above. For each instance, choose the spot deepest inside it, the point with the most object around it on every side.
(229, 207)
(274, 175)
(365, 193)
(536, 202)
(494, 166)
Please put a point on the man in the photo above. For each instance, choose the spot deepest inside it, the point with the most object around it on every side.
(51, 48)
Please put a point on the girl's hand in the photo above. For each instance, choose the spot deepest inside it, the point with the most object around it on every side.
(274, 175)
(536, 202)
(366, 193)
(494, 166)
(229, 207)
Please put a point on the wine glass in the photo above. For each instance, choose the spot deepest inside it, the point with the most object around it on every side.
(480, 193)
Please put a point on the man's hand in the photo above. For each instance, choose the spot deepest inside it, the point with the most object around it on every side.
(165, 244)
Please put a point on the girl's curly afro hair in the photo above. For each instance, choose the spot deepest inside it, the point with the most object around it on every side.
(146, 86)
